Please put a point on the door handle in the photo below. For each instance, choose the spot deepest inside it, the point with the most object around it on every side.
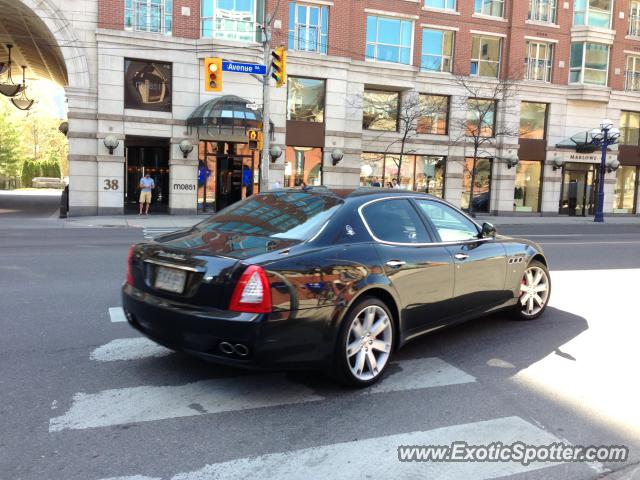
(395, 263)
(461, 256)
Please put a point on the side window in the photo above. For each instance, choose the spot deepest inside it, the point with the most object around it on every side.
(395, 221)
(451, 225)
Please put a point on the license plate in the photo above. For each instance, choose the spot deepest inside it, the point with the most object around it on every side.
(170, 279)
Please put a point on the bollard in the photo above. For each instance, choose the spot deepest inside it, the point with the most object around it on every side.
(64, 202)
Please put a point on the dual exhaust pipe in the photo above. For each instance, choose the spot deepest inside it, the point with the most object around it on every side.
(234, 349)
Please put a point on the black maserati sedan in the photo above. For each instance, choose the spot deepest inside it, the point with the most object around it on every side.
(330, 279)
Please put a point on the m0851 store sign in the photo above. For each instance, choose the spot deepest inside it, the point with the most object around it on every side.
(184, 187)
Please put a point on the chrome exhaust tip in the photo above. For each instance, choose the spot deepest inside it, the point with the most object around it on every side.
(241, 350)
(226, 348)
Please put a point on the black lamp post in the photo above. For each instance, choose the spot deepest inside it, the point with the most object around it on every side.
(602, 138)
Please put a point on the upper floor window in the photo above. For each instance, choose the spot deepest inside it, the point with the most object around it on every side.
(632, 73)
(542, 11)
(634, 19)
(492, 8)
(437, 50)
(589, 63)
(389, 39)
(380, 110)
(594, 13)
(539, 61)
(229, 19)
(629, 128)
(481, 117)
(308, 27)
(441, 4)
(485, 56)
(305, 99)
(154, 16)
(533, 120)
(434, 111)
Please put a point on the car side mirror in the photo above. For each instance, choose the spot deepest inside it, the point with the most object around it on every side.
(488, 230)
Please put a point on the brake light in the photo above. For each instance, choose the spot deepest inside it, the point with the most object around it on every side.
(130, 265)
(252, 293)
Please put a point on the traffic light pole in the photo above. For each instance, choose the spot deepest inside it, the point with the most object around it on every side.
(266, 94)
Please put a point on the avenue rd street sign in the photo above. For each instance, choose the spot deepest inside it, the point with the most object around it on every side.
(251, 68)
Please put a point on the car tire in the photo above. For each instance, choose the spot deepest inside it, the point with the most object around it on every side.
(364, 344)
(535, 292)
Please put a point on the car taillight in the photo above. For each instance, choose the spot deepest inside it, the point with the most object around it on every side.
(252, 293)
(130, 265)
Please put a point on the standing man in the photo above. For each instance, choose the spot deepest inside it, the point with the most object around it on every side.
(146, 186)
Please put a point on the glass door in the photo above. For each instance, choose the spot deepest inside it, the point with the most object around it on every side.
(579, 187)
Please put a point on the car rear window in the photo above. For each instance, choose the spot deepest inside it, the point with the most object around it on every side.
(287, 215)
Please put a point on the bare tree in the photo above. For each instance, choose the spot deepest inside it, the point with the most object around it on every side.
(407, 115)
(482, 123)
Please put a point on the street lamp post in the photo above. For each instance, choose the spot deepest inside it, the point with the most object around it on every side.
(602, 138)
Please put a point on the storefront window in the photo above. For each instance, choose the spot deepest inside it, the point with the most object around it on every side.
(406, 166)
(533, 117)
(481, 115)
(303, 167)
(629, 128)
(422, 173)
(147, 85)
(526, 197)
(435, 114)
(305, 99)
(625, 190)
(380, 110)
(482, 185)
(371, 170)
(430, 174)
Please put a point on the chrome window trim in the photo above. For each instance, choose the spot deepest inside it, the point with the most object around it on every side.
(417, 197)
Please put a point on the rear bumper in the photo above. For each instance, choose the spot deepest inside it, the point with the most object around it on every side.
(271, 343)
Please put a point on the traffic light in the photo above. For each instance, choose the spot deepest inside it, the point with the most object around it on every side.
(255, 139)
(279, 66)
(213, 74)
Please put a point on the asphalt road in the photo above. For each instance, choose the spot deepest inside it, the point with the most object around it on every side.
(41, 203)
(82, 397)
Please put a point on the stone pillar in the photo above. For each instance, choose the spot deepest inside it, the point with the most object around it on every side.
(453, 180)
(183, 181)
(551, 188)
(609, 192)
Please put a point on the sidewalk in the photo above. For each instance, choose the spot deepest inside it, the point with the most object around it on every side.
(133, 221)
(555, 220)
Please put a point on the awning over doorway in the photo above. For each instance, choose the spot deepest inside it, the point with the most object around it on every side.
(226, 111)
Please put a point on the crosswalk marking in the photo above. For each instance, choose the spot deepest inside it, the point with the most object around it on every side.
(128, 349)
(117, 315)
(151, 232)
(378, 458)
(150, 403)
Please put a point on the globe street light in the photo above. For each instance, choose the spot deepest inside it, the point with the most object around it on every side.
(602, 138)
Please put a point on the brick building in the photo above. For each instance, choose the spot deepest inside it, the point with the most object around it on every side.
(352, 65)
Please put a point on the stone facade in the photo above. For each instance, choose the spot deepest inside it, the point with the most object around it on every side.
(96, 44)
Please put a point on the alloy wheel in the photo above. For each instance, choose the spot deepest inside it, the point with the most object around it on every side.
(534, 291)
(369, 343)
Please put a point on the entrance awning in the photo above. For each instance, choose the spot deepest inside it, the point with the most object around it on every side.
(580, 142)
(226, 111)
(225, 118)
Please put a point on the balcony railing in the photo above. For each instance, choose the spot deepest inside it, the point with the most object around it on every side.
(632, 81)
(634, 25)
(148, 17)
(538, 70)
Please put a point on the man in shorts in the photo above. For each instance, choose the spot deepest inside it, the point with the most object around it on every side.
(146, 186)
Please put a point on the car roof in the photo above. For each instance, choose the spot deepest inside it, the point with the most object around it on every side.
(359, 193)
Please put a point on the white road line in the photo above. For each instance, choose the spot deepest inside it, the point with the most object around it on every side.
(117, 315)
(128, 349)
(150, 403)
(378, 457)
